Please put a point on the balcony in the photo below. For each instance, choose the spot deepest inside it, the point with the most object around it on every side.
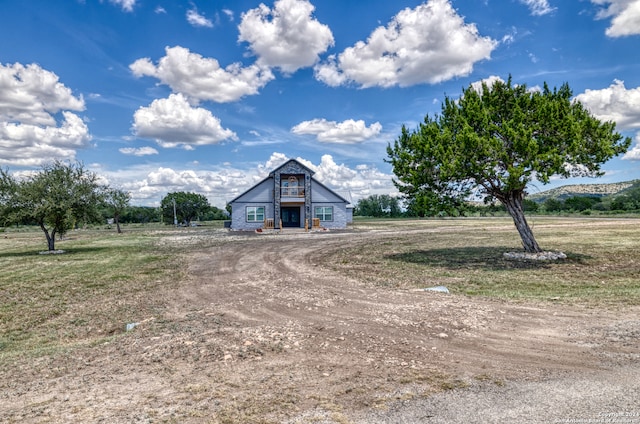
(291, 192)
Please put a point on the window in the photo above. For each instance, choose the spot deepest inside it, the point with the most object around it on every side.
(325, 213)
(255, 213)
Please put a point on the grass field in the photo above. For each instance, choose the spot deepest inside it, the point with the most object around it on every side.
(53, 302)
(466, 255)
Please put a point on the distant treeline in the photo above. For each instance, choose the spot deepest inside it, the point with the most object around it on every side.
(626, 201)
(146, 214)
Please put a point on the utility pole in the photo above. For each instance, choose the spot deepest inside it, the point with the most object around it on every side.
(175, 217)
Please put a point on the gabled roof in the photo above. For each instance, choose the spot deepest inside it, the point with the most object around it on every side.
(338, 195)
(346, 195)
(341, 196)
(250, 188)
(311, 172)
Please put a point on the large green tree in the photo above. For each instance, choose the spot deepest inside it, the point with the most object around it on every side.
(494, 140)
(187, 206)
(56, 198)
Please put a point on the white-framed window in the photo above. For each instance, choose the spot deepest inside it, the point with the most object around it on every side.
(255, 213)
(325, 213)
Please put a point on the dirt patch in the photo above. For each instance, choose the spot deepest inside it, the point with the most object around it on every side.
(261, 331)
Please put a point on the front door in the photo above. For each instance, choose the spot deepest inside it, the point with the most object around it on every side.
(290, 216)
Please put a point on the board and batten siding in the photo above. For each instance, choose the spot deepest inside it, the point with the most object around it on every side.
(260, 195)
(322, 196)
(340, 217)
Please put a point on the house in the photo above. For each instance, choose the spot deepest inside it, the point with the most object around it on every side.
(290, 198)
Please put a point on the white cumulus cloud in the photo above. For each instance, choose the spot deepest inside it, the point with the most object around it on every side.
(625, 16)
(172, 122)
(36, 122)
(346, 132)
(618, 104)
(33, 95)
(31, 145)
(360, 182)
(272, 163)
(428, 44)
(330, 173)
(634, 153)
(287, 37)
(614, 103)
(201, 78)
(149, 186)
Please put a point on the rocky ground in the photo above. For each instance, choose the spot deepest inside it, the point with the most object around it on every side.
(261, 331)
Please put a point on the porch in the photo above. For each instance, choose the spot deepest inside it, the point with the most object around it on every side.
(269, 224)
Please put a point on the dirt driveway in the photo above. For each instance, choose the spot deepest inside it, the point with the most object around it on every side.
(261, 331)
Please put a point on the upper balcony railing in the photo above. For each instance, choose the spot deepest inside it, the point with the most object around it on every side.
(292, 191)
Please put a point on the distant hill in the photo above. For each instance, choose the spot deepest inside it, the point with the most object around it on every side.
(595, 190)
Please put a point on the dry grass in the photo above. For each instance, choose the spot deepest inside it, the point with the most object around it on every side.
(84, 295)
(602, 268)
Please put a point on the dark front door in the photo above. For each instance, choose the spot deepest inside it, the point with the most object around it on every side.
(290, 216)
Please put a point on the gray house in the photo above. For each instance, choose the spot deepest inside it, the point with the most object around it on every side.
(290, 198)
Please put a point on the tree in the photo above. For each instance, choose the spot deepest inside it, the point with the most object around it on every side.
(493, 141)
(530, 205)
(141, 214)
(214, 214)
(378, 206)
(117, 201)
(627, 199)
(425, 203)
(187, 206)
(56, 198)
(624, 202)
(580, 203)
(8, 189)
(553, 205)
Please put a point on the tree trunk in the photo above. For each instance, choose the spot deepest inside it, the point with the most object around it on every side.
(116, 218)
(51, 238)
(513, 202)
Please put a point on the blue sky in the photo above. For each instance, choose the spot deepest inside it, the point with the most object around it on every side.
(208, 96)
